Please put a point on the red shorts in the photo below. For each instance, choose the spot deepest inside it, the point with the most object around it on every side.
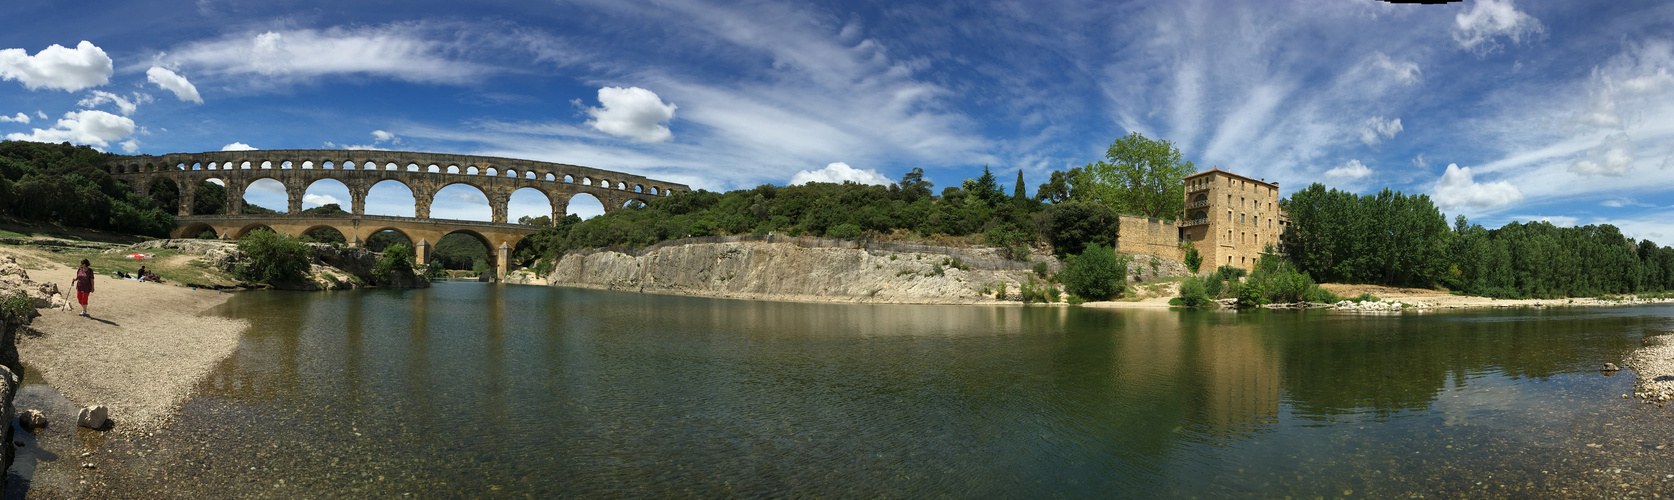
(82, 297)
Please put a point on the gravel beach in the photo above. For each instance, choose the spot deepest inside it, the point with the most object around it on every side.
(140, 352)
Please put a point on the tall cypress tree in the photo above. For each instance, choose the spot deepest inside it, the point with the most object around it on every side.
(1017, 192)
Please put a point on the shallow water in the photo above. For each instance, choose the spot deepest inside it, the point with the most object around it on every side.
(489, 390)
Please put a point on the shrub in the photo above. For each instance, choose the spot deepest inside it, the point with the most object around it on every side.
(1230, 273)
(1000, 293)
(397, 258)
(844, 231)
(1052, 293)
(1194, 260)
(1099, 273)
(1031, 291)
(1072, 226)
(270, 257)
(1041, 269)
(1276, 280)
(1194, 292)
(16, 308)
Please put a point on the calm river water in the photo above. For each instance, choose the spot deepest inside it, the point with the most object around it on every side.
(490, 390)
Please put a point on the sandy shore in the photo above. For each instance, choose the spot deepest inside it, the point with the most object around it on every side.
(140, 353)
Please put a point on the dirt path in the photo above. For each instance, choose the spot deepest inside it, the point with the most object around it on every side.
(141, 351)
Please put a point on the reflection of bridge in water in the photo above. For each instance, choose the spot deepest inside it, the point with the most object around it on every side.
(424, 174)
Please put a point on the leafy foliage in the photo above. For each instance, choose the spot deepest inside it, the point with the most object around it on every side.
(1540, 260)
(1193, 260)
(1388, 238)
(273, 258)
(977, 207)
(1138, 176)
(1072, 226)
(397, 259)
(16, 308)
(65, 184)
(1098, 273)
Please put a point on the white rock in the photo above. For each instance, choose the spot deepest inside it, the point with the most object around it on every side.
(95, 417)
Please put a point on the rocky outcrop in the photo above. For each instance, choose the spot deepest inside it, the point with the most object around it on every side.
(14, 280)
(785, 271)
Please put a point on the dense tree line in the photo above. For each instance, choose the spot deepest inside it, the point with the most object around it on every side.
(1388, 238)
(65, 184)
(1404, 240)
(977, 208)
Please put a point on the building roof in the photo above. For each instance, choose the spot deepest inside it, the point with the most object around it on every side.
(1212, 171)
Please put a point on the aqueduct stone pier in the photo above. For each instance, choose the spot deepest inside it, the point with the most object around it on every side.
(424, 174)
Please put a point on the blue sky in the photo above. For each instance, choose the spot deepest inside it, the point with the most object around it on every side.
(1499, 110)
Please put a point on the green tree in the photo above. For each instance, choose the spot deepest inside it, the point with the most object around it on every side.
(1018, 193)
(396, 260)
(273, 258)
(1060, 188)
(1139, 176)
(1098, 273)
(1074, 226)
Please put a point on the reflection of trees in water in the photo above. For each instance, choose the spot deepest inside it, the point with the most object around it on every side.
(1340, 364)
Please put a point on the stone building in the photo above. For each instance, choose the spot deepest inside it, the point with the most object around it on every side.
(1230, 218)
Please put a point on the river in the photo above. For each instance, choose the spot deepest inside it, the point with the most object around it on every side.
(471, 390)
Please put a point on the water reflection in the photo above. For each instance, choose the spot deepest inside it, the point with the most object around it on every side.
(540, 391)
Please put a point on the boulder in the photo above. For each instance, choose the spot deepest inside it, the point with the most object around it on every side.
(1609, 367)
(94, 417)
(32, 419)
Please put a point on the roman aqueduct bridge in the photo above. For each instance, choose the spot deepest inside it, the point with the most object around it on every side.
(423, 173)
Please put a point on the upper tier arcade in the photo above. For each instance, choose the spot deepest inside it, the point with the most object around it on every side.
(359, 170)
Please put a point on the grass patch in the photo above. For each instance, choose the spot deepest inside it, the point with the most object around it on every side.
(195, 271)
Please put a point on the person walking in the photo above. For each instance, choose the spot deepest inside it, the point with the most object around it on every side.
(84, 284)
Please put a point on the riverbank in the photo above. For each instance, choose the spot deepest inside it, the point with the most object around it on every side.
(139, 353)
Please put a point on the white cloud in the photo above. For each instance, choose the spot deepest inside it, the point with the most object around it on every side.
(238, 146)
(58, 67)
(382, 136)
(1348, 172)
(90, 127)
(415, 52)
(315, 200)
(1626, 202)
(1405, 72)
(125, 105)
(1457, 188)
(838, 173)
(1420, 162)
(632, 112)
(1476, 29)
(20, 118)
(1612, 158)
(130, 146)
(1376, 129)
(378, 137)
(169, 80)
(41, 114)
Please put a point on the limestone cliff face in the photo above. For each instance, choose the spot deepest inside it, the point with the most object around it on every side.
(785, 271)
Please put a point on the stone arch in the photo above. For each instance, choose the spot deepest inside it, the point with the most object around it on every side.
(569, 179)
(491, 172)
(433, 168)
(328, 165)
(389, 167)
(549, 177)
(1201, 197)
(192, 230)
(1200, 215)
(281, 205)
(374, 243)
(621, 186)
(267, 165)
(512, 173)
(521, 203)
(472, 170)
(453, 169)
(585, 205)
(248, 228)
(586, 181)
(335, 189)
(654, 191)
(287, 165)
(339, 237)
(458, 210)
(391, 197)
(413, 167)
(639, 188)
